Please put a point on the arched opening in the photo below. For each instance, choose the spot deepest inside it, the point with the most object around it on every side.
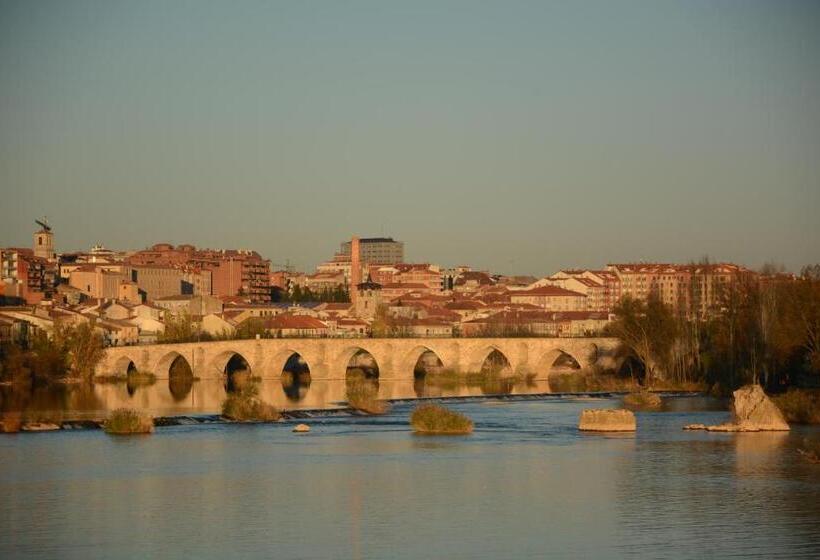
(428, 362)
(564, 362)
(362, 373)
(562, 371)
(633, 368)
(180, 379)
(124, 366)
(295, 377)
(171, 363)
(362, 365)
(428, 367)
(495, 364)
(236, 370)
(135, 379)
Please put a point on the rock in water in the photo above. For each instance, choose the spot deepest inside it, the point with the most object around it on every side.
(301, 428)
(617, 420)
(40, 427)
(752, 410)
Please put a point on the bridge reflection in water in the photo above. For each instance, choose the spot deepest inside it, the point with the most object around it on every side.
(206, 396)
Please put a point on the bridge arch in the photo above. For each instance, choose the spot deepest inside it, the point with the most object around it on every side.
(479, 359)
(276, 363)
(125, 365)
(409, 363)
(228, 362)
(295, 376)
(358, 357)
(556, 357)
(162, 368)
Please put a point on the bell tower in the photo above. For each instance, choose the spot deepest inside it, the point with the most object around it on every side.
(44, 241)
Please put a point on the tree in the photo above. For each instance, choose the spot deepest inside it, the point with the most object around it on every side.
(647, 329)
(798, 322)
(811, 272)
(250, 328)
(84, 346)
(736, 337)
(179, 327)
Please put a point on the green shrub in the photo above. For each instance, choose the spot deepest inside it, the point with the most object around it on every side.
(436, 419)
(246, 406)
(643, 400)
(124, 421)
(362, 394)
(580, 382)
(799, 406)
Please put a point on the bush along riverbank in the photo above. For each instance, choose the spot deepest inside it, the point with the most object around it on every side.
(800, 406)
(126, 421)
(246, 406)
(434, 419)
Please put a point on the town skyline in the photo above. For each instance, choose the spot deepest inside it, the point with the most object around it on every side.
(517, 138)
(327, 248)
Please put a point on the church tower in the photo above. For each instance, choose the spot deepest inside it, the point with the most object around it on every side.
(44, 241)
(368, 298)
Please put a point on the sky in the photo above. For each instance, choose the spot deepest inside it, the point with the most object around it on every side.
(520, 137)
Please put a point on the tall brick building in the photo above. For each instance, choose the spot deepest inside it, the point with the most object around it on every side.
(233, 272)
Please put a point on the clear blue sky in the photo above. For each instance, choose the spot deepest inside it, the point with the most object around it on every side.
(516, 136)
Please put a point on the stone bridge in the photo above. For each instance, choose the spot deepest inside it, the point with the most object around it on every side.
(329, 358)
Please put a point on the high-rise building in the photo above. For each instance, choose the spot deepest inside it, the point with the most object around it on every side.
(377, 250)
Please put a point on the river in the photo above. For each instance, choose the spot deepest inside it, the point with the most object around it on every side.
(526, 484)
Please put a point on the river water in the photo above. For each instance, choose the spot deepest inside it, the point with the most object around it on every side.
(59, 402)
(526, 484)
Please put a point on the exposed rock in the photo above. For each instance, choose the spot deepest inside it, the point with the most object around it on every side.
(618, 420)
(732, 428)
(301, 428)
(754, 411)
(40, 427)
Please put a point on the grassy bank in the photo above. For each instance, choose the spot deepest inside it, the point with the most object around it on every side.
(246, 406)
(124, 421)
(642, 400)
(800, 406)
(436, 419)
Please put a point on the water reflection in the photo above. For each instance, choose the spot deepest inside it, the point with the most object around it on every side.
(54, 402)
(294, 388)
(296, 385)
(180, 386)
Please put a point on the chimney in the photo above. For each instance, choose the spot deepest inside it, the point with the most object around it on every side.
(355, 268)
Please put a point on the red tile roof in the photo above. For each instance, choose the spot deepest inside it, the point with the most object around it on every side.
(552, 291)
(288, 321)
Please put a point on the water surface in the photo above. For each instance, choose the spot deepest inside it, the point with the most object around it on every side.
(526, 484)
